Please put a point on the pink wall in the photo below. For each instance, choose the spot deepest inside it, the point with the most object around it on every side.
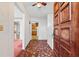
(17, 46)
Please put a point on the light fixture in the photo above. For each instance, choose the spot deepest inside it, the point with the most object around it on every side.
(39, 5)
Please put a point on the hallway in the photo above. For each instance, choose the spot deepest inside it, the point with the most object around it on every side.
(39, 29)
(37, 48)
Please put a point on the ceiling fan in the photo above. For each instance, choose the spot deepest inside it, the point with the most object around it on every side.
(40, 4)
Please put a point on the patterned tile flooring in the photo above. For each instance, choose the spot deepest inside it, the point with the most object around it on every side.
(37, 48)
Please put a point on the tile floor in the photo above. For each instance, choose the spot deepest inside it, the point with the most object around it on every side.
(37, 48)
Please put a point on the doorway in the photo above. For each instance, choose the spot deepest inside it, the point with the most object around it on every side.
(34, 31)
(17, 30)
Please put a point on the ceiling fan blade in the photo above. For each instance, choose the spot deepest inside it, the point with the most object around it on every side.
(43, 3)
(34, 4)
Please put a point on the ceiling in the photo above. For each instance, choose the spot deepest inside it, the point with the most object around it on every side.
(39, 12)
(17, 13)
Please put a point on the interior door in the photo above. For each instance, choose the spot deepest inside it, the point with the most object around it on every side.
(34, 31)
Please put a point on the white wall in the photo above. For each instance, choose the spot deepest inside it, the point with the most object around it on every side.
(6, 36)
(27, 28)
(42, 28)
(19, 16)
(50, 30)
(27, 18)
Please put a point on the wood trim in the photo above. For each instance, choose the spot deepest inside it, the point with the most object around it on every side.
(65, 4)
(56, 7)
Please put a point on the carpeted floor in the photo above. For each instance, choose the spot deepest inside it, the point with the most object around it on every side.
(37, 48)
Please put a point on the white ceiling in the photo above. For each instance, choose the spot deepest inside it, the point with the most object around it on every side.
(39, 12)
(17, 13)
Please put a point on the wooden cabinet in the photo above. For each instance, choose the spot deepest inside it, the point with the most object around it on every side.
(66, 29)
